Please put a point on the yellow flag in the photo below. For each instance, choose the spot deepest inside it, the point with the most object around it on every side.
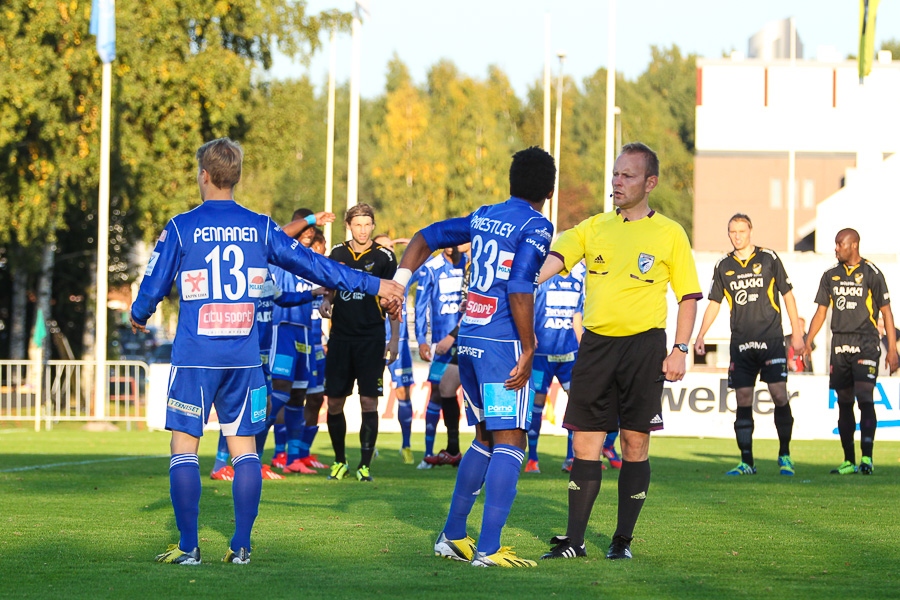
(867, 9)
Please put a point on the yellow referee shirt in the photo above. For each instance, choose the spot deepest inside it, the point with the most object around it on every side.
(629, 264)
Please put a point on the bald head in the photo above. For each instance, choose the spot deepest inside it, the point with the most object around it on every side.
(846, 246)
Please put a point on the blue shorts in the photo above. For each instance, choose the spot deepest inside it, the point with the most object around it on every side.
(402, 368)
(239, 396)
(439, 364)
(317, 381)
(290, 355)
(547, 366)
(483, 367)
(264, 359)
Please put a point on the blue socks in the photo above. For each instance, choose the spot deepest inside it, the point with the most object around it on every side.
(432, 416)
(184, 487)
(295, 424)
(405, 416)
(246, 490)
(534, 431)
(609, 442)
(499, 492)
(221, 456)
(469, 478)
(280, 438)
(309, 434)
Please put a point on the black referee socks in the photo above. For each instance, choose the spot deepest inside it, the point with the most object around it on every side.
(634, 481)
(584, 486)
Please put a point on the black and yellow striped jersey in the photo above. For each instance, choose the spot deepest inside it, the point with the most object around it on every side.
(753, 288)
(856, 294)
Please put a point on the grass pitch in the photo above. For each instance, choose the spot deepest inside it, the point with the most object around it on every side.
(91, 530)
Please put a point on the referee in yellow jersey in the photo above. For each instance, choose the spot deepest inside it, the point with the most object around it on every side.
(632, 255)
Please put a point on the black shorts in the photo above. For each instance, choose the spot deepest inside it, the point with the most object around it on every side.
(616, 382)
(349, 361)
(749, 358)
(854, 359)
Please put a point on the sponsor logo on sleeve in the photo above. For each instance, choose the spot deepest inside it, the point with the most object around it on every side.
(162, 236)
(257, 280)
(223, 319)
(152, 264)
(195, 285)
(505, 261)
(479, 309)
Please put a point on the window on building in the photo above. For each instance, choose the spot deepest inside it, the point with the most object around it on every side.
(809, 194)
(775, 194)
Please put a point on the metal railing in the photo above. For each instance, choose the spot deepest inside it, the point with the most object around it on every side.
(63, 390)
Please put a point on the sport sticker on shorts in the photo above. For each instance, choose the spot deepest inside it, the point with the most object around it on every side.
(257, 279)
(258, 404)
(498, 401)
(195, 285)
(226, 319)
(479, 309)
(186, 409)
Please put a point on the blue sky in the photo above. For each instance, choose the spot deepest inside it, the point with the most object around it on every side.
(510, 33)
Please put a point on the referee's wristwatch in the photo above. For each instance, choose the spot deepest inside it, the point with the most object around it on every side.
(682, 347)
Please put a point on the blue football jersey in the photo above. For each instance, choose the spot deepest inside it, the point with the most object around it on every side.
(509, 241)
(295, 313)
(438, 288)
(218, 255)
(555, 304)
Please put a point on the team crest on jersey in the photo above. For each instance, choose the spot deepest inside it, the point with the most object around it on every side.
(645, 262)
(369, 266)
(858, 277)
(194, 285)
(757, 268)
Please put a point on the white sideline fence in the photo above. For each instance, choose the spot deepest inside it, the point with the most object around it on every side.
(63, 390)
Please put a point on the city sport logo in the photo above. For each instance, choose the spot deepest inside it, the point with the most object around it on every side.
(218, 318)
(479, 309)
(645, 262)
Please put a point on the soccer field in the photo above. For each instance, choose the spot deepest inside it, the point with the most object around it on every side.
(77, 523)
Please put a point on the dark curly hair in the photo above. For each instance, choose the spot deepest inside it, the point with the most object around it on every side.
(532, 174)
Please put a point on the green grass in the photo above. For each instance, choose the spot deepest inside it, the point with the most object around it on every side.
(92, 530)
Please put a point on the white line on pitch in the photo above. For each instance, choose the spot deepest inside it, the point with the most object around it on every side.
(81, 462)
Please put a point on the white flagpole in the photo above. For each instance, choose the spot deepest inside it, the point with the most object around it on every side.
(102, 377)
(353, 155)
(329, 154)
(610, 107)
(546, 209)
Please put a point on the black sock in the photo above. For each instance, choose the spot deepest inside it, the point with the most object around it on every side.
(584, 486)
(337, 431)
(368, 433)
(450, 407)
(634, 481)
(847, 429)
(743, 431)
(867, 424)
(784, 425)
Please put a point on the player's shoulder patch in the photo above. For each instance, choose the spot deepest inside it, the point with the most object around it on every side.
(387, 252)
(768, 251)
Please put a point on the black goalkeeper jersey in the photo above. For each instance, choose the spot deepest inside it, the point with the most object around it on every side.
(856, 294)
(753, 288)
(356, 315)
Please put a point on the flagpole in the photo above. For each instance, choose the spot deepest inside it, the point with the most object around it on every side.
(100, 389)
(610, 157)
(329, 152)
(546, 209)
(353, 154)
